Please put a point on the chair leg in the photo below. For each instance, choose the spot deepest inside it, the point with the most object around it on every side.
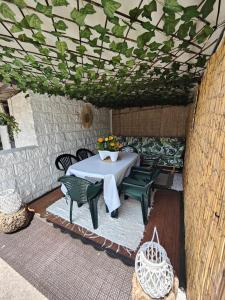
(115, 214)
(144, 207)
(71, 211)
(149, 198)
(93, 205)
(106, 208)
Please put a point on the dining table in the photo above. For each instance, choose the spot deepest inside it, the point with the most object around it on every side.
(112, 173)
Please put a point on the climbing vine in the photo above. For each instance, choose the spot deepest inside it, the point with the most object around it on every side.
(135, 58)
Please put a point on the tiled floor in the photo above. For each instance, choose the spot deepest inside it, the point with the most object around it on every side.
(63, 268)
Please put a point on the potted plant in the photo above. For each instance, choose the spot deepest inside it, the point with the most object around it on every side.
(108, 147)
(8, 126)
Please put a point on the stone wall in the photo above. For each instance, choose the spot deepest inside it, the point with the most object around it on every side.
(161, 121)
(58, 130)
(204, 187)
(20, 108)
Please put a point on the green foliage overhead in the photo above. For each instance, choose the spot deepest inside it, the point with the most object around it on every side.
(120, 61)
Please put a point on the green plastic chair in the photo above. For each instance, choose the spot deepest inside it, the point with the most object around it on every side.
(145, 175)
(132, 188)
(83, 191)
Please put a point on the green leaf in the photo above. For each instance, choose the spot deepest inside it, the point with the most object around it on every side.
(171, 6)
(148, 26)
(93, 43)
(38, 36)
(98, 51)
(141, 53)
(190, 12)
(59, 3)
(60, 25)
(201, 61)
(116, 59)
(128, 52)
(17, 62)
(166, 59)
(56, 33)
(30, 58)
(16, 28)
(25, 38)
(46, 10)
(135, 13)
(169, 24)
(100, 29)
(151, 55)
(78, 17)
(88, 9)
(183, 30)
(81, 49)
(130, 63)
(204, 34)
(6, 11)
(44, 51)
(192, 32)
(110, 7)
(144, 38)
(175, 66)
(114, 20)
(33, 21)
(61, 47)
(19, 3)
(118, 30)
(207, 8)
(154, 46)
(63, 68)
(168, 45)
(86, 33)
(104, 38)
(149, 9)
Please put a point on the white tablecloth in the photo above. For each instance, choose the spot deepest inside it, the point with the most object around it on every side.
(112, 173)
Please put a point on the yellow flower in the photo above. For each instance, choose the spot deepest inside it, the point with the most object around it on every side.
(100, 140)
(112, 144)
(110, 138)
(106, 139)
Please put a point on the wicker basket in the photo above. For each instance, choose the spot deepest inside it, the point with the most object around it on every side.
(139, 294)
(13, 222)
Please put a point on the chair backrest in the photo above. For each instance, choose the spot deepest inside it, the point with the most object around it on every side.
(76, 188)
(84, 153)
(63, 161)
(128, 149)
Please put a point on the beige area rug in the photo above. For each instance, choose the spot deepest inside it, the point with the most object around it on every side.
(127, 230)
(63, 268)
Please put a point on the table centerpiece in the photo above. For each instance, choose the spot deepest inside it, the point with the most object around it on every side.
(108, 147)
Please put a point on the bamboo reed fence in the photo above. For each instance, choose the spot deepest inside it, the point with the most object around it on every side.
(151, 121)
(204, 183)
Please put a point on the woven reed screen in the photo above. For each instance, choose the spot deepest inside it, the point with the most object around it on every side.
(204, 182)
(150, 121)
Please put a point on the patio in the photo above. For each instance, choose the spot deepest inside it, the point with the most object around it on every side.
(111, 125)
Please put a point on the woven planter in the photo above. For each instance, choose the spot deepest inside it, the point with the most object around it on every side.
(13, 222)
(139, 294)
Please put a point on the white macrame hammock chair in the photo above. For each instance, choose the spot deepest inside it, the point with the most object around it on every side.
(153, 268)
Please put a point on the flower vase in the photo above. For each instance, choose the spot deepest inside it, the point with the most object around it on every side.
(113, 155)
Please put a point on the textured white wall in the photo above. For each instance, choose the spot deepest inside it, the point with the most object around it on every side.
(58, 130)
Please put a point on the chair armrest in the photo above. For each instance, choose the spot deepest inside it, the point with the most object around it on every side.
(136, 185)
